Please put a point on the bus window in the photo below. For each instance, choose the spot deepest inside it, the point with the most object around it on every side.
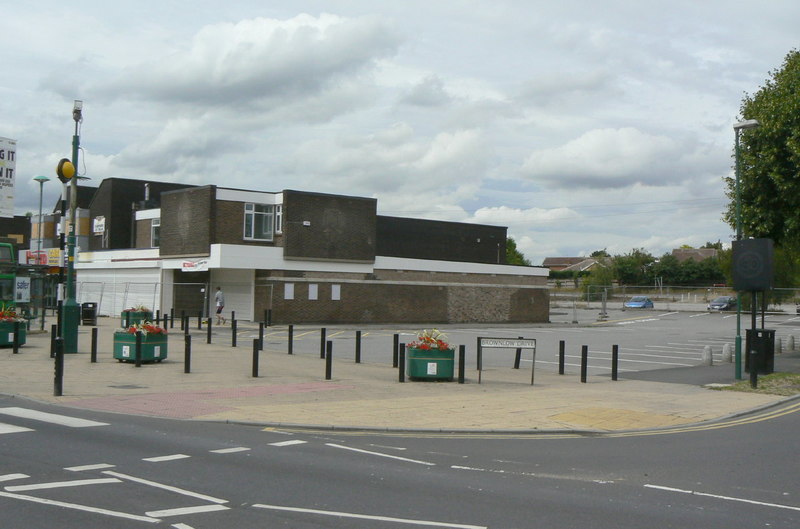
(5, 254)
(7, 290)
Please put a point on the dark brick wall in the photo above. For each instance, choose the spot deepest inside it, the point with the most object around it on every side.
(229, 226)
(445, 241)
(186, 221)
(143, 238)
(342, 228)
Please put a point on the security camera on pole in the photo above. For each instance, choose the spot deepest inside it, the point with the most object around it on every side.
(71, 312)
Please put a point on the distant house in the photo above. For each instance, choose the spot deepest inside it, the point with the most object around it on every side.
(694, 254)
(570, 264)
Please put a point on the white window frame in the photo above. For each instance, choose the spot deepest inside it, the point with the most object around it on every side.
(250, 215)
(288, 291)
(313, 291)
(278, 218)
(155, 227)
(336, 292)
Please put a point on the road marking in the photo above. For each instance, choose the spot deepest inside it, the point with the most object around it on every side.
(78, 507)
(10, 428)
(62, 420)
(60, 484)
(368, 517)
(381, 455)
(11, 477)
(165, 487)
(99, 466)
(186, 510)
(161, 459)
(700, 314)
(182, 526)
(288, 443)
(727, 498)
(230, 450)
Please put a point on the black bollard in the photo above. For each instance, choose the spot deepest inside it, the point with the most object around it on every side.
(395, 344)
(233, 333)
(561, 347)
(754, 369)
(584, 361)
(200, 320)
(269, 317)
(208, 331)
(322, 333)
(183, 320)
(261, 335)
(53, 336)
(255, 357)
(401, 362)
(328, 360)
(58, 317)
(614, 361)
(291, 338)
(187, 353)
(358, 347)
(518, 355)
(93, 358)
(158, 317)
(185, 324)
(16, 337)
(462, 355)
(172, 317)
(58, 381)
(138, 352)
(233, 315)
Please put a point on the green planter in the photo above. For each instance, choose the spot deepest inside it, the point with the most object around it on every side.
(430, 364)
(154, 347)
(134, 317)
(7, 333)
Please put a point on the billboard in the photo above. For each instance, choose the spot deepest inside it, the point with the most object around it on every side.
(8, 164)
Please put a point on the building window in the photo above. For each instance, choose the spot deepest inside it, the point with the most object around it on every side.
(258, 222)
(336, 292)
(313, 291)
(278, 218)
(155, 229)
(288, 291)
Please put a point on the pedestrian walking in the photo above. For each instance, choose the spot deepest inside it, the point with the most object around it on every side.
(219, 300)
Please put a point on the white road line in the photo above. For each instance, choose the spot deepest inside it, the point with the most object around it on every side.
(289, 443)
(186, 510)
(78, 507)
(230, 450)
(368, 517)
(182, 526)
(99, 466)
(60, 484)
(381, 455)
(11, 428)
(161, 459)
(11, 477)
(728, 498)
(700, 314)
(62, 420)
(165, 487)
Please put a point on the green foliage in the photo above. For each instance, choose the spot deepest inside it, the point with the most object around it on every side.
(599, 253)
(600, 276)
(634, 268)
(514, 256)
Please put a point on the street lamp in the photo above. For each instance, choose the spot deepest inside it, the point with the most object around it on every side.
(737, 128)
(41, 180)
(71, 310)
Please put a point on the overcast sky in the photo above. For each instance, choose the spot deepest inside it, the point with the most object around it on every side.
(578, 125)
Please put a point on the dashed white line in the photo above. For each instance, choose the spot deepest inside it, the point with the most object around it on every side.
(165, 487)
(161, 459)
(62, 420)
(99, 466)
(11, 477)
(78, 507)
(11, 428)
(288, 443)
(230, 450)
(61, 484)
(186, 510)
(381, 455)
(719, 497)
(369, 517)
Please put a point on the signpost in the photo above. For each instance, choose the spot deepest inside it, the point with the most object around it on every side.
(505, 343)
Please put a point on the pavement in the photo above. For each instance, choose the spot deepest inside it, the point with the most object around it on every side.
(292, 391)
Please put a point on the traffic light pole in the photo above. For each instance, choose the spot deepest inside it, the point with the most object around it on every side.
(71, 310)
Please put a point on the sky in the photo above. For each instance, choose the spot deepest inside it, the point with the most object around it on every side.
(579, 126)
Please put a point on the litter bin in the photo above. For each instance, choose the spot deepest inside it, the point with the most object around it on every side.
(763, 342)
(89, 313)
(430, 364)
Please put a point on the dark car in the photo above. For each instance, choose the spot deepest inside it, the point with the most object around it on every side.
(723, 303)
(639, 302)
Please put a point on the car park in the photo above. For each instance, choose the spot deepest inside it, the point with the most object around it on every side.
(639, 302)
(722, 303)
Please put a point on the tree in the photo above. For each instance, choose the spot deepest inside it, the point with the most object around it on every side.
(770, 159)
(514, 256)
(599, 253)
(634, 268)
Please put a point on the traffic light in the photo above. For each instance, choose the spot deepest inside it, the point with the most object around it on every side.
(65, 170)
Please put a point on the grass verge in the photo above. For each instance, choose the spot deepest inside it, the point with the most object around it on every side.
(786, 384)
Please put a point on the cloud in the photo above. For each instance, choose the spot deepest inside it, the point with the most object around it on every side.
(430, 92)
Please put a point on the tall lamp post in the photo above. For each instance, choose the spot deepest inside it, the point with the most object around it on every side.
(71, 310)
(737, 128)
(41, 180)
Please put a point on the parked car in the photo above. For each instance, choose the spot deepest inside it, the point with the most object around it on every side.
(639, 302)
(723, 303)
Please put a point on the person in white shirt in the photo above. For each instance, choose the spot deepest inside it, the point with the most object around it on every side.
(219, 300)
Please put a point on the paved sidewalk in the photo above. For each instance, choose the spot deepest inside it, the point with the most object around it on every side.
(292, 390)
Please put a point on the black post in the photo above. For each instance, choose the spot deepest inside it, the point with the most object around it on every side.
(401, 362)
(58, 382)
(187, 353)
(328, 359)
(185, 324)
(233, 315)
(233, 333)
(58, 317)
(16, 337)
(754, 369)
(53, 336)
(172, 317)
(269, 317)
(138, 353)
(584, 361)
(462, 355)
(208, 331)
(291, 338)
(358, 347)
(158, 317)
(518, 355)
(614, 361)
(93, 358)
(261, 335)
(255, 357)
(322, 342)
(183, 320)
(561, 347)
(395, 344)
(265, 316)
(200, 320)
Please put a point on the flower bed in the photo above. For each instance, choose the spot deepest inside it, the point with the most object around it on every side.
(430, 357)
(135, 315)
(154, 343)
(8, 318)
